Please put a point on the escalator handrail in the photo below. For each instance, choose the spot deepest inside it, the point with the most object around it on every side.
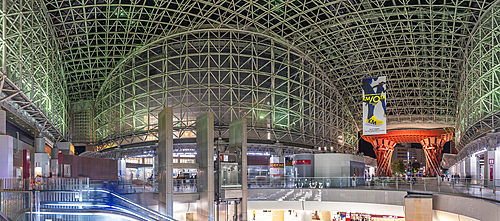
(79, 211)
(3, 217)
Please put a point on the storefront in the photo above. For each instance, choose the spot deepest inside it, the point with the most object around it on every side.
(348, 216)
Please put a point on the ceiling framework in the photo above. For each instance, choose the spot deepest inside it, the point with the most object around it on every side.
(479, 103)
(67, 49)
(284, 95)
(32, 83)
(190, 148)
(418, 45)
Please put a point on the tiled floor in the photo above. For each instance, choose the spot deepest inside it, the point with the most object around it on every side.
(267, 216)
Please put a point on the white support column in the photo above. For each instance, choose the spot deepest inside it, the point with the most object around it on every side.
(42, 162)
(6, 156)
(54, 161)
(3, 122)
(486, 167)
(165, 159)
(6, 150)
(205, 159)
(496, 166)
(122, 169)
(468, 167)
(473, 167)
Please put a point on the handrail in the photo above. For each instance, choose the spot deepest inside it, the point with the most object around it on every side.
(481, 188)
(3, 217)
(45, 192)
(84, 212)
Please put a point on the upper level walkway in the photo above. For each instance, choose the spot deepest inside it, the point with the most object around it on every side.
(485, 189)
(467, 197)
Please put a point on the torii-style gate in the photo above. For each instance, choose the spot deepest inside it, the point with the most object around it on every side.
(432, 143)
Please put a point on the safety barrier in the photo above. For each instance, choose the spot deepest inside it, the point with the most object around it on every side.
(58, 198)
(466, 186)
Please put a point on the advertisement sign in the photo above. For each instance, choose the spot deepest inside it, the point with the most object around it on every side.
(301, 162)
(374, 108)
(67, 170)
(277, 165)
(276, 169)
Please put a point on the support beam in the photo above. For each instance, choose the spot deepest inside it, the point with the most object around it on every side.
(383, 149)
(433, 147)
(431, 140)
(6, 150)
(165, 159)
(205, 159)
(238, 143)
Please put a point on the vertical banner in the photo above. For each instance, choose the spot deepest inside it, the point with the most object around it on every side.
(374, 109)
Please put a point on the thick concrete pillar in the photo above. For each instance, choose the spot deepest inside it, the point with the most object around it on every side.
(325, 216)
(492, 167)
(42, 162)
(238, 143)
(418, 208)
(462, 169)
(488, 155)
(122, 169)
(165, 159)
(66, 148)
(6, 149)
(471, 167)
(3, 122)
(54, 161)
(278, 215)
(6, 156)
(205, 159)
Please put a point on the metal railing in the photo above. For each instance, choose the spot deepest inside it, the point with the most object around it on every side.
(45, 183)
(18, 197)
(58, 198)
(466, 186)
(185, 186)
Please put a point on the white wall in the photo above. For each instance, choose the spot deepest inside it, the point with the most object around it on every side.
(6, 156)
(334, 164)
(369, 208)
(492, 154)
(446, 216)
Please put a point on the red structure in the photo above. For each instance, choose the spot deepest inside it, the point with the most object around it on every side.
(432, 143)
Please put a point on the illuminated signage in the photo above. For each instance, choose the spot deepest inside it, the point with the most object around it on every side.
(302, 162)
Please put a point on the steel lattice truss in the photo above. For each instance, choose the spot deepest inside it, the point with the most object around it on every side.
(479, 104)
(132, 152)
(418, 45)
(234, 74)
(32, 83)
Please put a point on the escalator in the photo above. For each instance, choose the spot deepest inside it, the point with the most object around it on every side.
(88, 204)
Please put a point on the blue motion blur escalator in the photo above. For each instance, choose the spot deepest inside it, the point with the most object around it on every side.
(92, 204)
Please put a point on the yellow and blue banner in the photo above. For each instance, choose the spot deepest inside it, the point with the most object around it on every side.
(374, 108)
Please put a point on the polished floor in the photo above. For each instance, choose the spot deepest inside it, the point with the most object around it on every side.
(267, 216)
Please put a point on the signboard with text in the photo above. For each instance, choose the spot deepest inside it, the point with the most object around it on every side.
(374, 106)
